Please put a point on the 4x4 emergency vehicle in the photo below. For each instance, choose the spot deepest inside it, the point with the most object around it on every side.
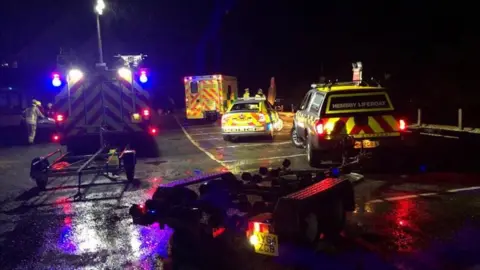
(208, 97)
(250, 117)
(113, 101)
(351, 116)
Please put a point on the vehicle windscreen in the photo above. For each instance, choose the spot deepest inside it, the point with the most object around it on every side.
(358, 102)
(254, 106)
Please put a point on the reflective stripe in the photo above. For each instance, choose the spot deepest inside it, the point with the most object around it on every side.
(88, 108)
(381, 124)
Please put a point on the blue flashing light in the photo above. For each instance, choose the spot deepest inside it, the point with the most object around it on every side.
(56, 80)
(335, 172)
(143, 78)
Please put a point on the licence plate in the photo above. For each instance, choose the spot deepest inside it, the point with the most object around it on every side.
(366, 144)
(242, 129)
(267, 244)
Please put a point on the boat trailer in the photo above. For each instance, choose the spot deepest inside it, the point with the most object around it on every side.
(106, 161)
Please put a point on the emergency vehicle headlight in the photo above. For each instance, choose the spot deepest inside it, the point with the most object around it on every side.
(125, 73)
(75, 75)
(136, 116)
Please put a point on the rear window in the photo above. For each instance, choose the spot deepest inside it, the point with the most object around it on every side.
(245, 107)
(194, 87)
(359, 102)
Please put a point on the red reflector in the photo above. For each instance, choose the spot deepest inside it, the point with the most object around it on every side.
(146, 112)
(153, 131)
(59, 118)
(319, 128)
(218, 232)
(402, 125)
(258, 227)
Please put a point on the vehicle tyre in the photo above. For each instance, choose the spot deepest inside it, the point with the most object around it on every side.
(42, 181)
(310, 229)
(313, 156)
(297, 142)
(227, 138)
(130, 173)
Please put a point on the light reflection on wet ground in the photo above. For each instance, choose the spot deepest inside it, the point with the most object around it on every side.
(53, 232)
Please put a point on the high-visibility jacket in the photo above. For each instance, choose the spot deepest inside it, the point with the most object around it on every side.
(31, 115)
(246, 95)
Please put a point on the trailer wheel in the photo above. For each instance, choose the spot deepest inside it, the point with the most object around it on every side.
(129, 161)
(130, 173)
(42, 181)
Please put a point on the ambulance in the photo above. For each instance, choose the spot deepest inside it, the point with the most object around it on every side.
(207, 97)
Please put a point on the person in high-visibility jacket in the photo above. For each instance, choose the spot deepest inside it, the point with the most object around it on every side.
(31, 116)
(260, 94)
(247, 93)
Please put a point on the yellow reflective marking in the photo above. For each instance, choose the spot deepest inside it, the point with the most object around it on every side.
(374, 125)
(349, 125)
(391, 121)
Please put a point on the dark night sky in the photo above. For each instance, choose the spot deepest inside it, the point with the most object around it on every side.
(431, 45)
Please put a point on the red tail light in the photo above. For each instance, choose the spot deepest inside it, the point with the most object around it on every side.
(261, 117)
(402, 125)
(319, 127)
(146, 113)
(55, 138)
(258, 227)
(153, 131)
(59, 118)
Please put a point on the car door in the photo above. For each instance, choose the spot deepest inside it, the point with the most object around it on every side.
(301, 115)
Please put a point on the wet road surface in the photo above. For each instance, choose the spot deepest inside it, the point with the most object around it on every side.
(423, 220)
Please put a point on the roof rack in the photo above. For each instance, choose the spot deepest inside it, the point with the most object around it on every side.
(349, 83)
(337, 83)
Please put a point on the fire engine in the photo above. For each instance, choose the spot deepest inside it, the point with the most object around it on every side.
(109, 101)
(209, 96)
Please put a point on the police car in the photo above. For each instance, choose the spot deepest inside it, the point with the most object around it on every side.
(250, 117)
(351, 114)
